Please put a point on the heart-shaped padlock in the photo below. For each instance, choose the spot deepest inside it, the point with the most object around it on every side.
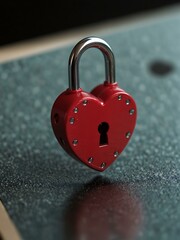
(93, 127)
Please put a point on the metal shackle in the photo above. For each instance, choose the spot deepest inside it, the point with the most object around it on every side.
(79, 49)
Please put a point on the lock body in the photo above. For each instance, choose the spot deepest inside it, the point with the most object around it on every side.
(77, 116)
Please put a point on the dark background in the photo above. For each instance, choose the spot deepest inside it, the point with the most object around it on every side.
(22, 20)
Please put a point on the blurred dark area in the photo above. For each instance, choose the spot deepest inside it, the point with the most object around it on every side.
(22, 20)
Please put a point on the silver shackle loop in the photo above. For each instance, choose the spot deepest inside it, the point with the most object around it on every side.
(79, 49)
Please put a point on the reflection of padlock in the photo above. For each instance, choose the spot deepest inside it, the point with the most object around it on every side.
(93, 127)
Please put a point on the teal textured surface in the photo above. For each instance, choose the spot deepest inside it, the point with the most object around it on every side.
(51, 196)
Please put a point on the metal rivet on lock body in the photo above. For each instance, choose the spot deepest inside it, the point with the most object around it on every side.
(131, 112)
(79, 49)
(103, 165)
(56, 118)
(71, 120)
(90, 160)
(75, 110)
(75, 142)
(127, 101)
(119, 97)
(116, 154)
(128, 134)
(62, 141)
(85, 102)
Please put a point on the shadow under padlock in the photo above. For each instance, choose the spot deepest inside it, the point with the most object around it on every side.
(103, 210)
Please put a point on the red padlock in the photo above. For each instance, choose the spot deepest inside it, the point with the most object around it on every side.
(95, 127)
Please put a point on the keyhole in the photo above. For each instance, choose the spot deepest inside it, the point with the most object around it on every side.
(103, 129)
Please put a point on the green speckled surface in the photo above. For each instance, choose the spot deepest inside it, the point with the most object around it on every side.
(51, 196)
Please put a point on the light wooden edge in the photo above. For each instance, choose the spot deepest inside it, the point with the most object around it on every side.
(54, 41)
(8, 230)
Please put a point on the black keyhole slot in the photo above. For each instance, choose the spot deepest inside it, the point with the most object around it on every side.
(103, 129)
